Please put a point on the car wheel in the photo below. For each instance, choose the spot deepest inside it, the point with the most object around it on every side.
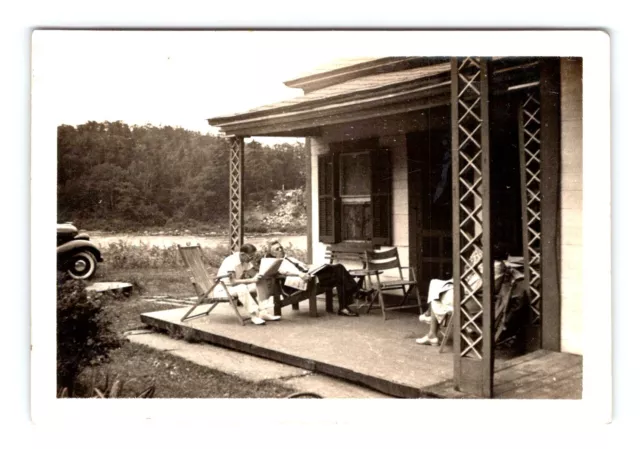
(82, 265)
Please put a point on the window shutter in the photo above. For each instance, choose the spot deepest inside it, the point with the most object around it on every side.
(381, 196)
(328, 201)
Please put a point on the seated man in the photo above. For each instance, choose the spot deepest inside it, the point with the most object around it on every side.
(332, 276)
(237, 266)
(440, 296)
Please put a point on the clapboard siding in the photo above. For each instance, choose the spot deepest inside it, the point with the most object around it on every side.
(571, 205)
(318, 147)
(400, 189)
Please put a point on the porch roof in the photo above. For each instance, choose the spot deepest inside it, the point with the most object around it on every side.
(369, 89)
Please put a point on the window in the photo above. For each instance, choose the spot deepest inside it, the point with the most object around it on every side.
(354, 192)
(355, 195)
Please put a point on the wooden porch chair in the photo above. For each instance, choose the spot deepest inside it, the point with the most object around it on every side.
(204, 284)
(502, 300)
(355, 254)
(387, 263)
(283, 296)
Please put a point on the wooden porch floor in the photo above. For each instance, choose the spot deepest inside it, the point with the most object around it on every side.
(381, 355)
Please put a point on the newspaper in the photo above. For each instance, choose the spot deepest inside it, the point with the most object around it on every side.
(269, 266)
(296, 282)
(318, 269)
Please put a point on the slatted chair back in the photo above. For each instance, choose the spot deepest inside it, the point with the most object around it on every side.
(193, 258)
(352, 256)
(204, 284)
(386, 260)
(348, 254)
(388, 270)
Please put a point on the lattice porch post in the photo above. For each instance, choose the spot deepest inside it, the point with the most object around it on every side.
(529, 137)
(236, 193)
(473, 304)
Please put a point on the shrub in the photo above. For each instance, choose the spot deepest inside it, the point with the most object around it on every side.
(123, 255)
(84, 331)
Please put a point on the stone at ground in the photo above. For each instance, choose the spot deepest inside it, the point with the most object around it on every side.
(252, 368)
(112, 287)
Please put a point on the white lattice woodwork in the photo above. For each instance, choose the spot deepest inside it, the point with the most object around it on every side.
(530, 179)
(236, 200)
(473, 314)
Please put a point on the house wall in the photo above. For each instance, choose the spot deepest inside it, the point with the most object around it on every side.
(392, 133)
(571, 206)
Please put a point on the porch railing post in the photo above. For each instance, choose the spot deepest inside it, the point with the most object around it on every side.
(473, 303)
(236, 193)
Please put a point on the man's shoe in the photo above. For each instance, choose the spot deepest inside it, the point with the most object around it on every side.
(346, 312)
(268, 317)
(424, 318)
(257, 320)
(427, 341)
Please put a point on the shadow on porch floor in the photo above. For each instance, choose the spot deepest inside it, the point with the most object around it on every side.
(366, 350)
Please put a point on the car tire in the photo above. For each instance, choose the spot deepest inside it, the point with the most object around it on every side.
(82, 265)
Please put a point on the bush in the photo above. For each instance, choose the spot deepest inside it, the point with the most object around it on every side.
(122, 255)
(84, 331)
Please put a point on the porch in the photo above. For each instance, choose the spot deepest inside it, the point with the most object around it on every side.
(380, 355)
(440, 158)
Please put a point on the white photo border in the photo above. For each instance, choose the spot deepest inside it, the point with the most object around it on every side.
(596, 405)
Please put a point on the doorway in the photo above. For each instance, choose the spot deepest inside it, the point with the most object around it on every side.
(430, 189)
(429, 154)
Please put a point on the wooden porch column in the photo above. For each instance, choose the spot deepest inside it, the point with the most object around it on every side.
(309, 201)
(473, 304)
(236, 193)
(550, 201)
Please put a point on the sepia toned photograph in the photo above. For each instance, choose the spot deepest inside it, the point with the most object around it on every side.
(314, 221)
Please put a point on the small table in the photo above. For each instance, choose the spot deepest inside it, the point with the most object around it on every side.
(359, 276)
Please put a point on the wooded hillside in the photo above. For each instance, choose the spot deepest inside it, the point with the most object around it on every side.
(113, 176)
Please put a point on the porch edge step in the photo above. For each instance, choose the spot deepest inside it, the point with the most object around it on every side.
(382, 385)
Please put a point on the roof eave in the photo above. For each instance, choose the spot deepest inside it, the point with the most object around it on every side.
(382, 65)
(360, 109)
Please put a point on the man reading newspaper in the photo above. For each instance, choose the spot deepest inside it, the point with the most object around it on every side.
(238, 266)
(328, 276)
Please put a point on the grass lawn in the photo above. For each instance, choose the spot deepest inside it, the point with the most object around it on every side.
(139, 366)
(146, 283)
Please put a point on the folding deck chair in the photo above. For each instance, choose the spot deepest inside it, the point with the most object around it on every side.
(204, 284)
(387, 262)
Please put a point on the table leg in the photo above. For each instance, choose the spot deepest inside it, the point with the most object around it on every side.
(328, 297)
(277, 304)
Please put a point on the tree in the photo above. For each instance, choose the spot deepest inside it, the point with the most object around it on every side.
(144, 175)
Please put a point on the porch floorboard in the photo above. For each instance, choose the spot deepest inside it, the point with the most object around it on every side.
(368, 351)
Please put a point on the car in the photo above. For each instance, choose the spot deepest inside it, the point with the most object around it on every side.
(77, 254)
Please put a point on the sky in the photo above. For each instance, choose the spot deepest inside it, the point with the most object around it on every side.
(168, 78)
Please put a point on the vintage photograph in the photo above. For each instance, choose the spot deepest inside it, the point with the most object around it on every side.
(313, 222)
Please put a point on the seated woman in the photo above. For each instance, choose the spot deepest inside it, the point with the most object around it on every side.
(333, 276)
(440, 297)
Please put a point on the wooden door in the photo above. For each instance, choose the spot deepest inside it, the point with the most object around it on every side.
(430, 177)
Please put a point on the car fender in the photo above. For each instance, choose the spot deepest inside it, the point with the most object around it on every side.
(74, 246)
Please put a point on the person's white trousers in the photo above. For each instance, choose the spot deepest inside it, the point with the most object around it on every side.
(244, 293)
